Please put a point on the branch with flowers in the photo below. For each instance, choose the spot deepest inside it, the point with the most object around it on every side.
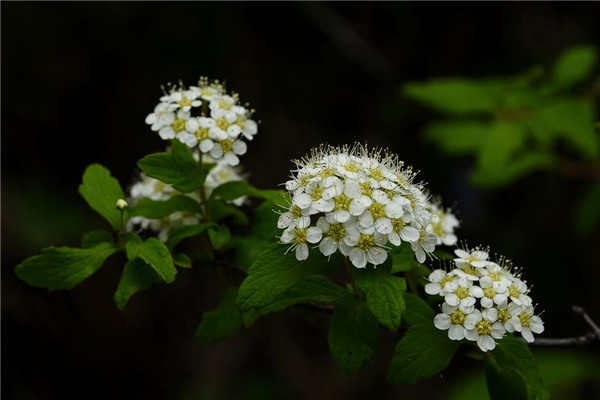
(349, 236)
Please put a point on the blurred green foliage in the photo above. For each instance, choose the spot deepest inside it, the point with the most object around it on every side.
(542, 119)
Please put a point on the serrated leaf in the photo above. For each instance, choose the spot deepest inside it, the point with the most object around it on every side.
(513, 354)
(457, 95)
(423, 352)
(273, 272)
(101, 191)
(457, 137)
(186, 231)
(385, 293)
(220, 236)
(178, 168)
(156, 209)
(353, 335)
(137, 276)
(314, 289)
(63, 267)
(223, 322)
(181, 260)
(574, 66)
(92, 238)
(417, 310)
(154, 253)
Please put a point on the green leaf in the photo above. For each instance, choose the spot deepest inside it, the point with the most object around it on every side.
(223, 322)
(574, 66)
(273, 272)
(501, 142)
(220, 236)
(385, 293)
(63, 267)
(95, 237)
(153, 252)
(512, 358)
(186, 231)
(403, 258)
(178, 168)
(517, 168)
(423, 352)
(587, 211)
(353, 335)
(137, 276)
(457, 95)
(574, 120)
(157, 209)
(457, 137)
(181, 260)
(236, 189)
(417, 310)
(101, 191)
(314, 289)
(504, 383)
(219, 210)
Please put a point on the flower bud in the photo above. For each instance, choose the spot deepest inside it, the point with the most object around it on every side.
(121, 204)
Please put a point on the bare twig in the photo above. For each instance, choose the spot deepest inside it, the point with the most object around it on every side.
(590, 338)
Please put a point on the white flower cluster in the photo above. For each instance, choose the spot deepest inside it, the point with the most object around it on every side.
(207, 117)
(156, 190)
(483, 300)
(356, 201)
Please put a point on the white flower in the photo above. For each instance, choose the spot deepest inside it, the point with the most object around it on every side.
(299, 235)
(425, 244)
(452, 319)
(334, 236)
(460, 292)
(488, 294)
(444, 223)
(475, 258)
(483, 328)
(527, 324)
(439, 282)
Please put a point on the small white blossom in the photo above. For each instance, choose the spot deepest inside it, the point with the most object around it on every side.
(483, 327)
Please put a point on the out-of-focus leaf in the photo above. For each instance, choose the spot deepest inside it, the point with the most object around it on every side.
(587, 212)
(574, 66)
(220, 236)
(223, 322)
(186, 231)
(457, 95)
(93, 238)
(515, 169)
(457, 137)
(574, 120)
(182, 260)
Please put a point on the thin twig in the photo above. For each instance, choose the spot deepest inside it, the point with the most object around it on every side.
(588, 339)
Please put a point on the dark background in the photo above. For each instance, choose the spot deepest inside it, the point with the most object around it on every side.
(78, 80)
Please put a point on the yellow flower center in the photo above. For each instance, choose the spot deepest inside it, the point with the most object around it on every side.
(376, 174)
(341, 202)
(366, 188)
(178, 125)
(513, 291)
(226, 145)
(326, 172)
(457, 317)
(525, 320)
(503, 315)
(496, 277)
(377, 210)
(202, 133)
(317, 193)
(296, 211)
(445, 280)
(397, 225)
(300, 235)
(225, 105)
(352, 167)
(484, 328)
(185, 102)
(365, 242)
(462, 293)
(489, 292)
(337, 232)
(222, 123)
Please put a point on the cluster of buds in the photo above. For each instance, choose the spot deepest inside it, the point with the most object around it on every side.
(205, 116)
(356, 201)
(483, 300)
(156, 190)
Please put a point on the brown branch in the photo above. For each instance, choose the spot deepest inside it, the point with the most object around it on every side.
(590, 338)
